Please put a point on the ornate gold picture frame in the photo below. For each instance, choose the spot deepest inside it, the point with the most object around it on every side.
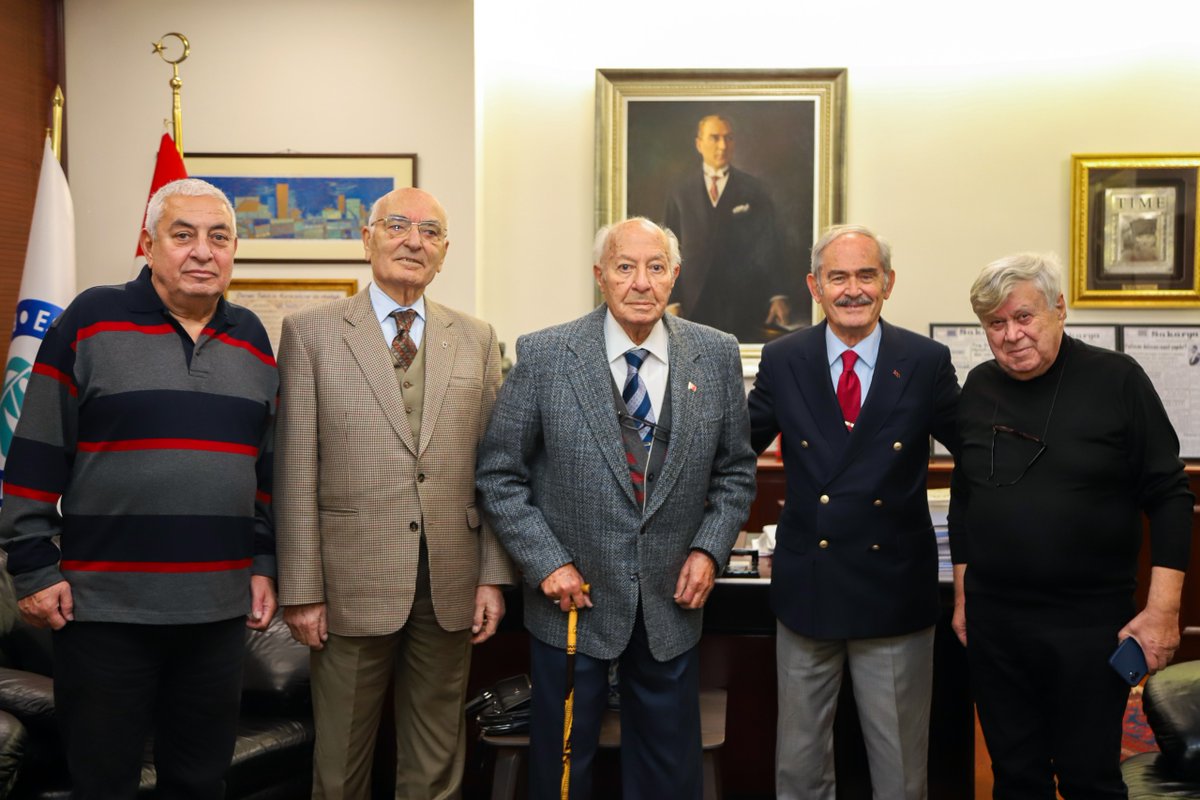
(1134, 237)
(784, 183)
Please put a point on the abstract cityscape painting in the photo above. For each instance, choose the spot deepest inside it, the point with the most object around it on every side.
(302, 207)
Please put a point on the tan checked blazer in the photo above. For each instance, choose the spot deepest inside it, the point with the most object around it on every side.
(352, 488)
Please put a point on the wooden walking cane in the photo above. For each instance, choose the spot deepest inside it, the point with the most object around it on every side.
(569, 702)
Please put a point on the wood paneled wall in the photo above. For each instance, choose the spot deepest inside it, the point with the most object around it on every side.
(31, 63)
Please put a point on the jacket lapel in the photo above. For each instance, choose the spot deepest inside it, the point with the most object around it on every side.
(684, 372)
(441, 344)
(810, 369)
(591, 381)
(365, 341)
(887, 385)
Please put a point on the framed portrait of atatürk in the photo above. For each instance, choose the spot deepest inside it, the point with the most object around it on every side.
(1133, 231)
(746, 167)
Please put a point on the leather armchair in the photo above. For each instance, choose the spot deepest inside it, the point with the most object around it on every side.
(1171, 700)
(272, 756)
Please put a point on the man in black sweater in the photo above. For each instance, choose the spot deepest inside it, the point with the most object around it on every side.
(1064, 447)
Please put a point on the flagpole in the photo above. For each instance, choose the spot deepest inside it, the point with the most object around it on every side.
(176, 84)
(56, 123)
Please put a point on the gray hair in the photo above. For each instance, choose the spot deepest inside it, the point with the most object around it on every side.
(186, 187)
(836, 232)
(998, 279)
(601, 244)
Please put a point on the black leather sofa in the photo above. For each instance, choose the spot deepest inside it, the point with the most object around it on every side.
(1171, 700)
(272, 757)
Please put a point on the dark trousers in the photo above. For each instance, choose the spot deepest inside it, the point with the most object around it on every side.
(116, 683)
(660, 722)
(1049, 704)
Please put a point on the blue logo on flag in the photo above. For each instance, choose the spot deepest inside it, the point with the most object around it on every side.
(34, 318)
(15, 381)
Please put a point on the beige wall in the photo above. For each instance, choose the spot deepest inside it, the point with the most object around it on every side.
(961, 125)
(308, 76)
(961, 121)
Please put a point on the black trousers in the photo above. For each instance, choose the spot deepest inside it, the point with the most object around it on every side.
(661, 748)
(1049, 704)
(116, 683)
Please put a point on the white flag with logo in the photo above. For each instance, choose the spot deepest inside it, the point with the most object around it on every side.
(47, 286)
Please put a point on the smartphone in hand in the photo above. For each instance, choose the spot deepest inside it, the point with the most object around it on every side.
(1129, 661)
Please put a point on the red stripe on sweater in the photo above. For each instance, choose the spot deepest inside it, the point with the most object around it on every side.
(154, 566)
(13, 490)
(126, 445)
(225, 338)
(114, 326)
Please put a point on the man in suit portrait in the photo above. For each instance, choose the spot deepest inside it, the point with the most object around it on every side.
(618, 457)
(855, 573)
(386, 568)
(733, 270)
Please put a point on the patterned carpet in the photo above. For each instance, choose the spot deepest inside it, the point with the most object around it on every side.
(1138, 737)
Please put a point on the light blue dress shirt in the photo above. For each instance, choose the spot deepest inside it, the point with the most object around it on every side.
(868, 355)
(384, 306)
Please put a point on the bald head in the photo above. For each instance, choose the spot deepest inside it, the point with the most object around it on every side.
(402, 196)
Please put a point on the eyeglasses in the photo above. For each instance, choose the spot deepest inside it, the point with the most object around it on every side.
(661, 433)
(1028, 437)
(397, 227)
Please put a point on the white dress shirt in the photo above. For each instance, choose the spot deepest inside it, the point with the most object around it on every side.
(653, 370)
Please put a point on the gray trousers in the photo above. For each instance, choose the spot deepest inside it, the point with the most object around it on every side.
(892, 679)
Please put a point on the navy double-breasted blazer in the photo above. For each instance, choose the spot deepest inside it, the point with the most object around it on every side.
(855, 554)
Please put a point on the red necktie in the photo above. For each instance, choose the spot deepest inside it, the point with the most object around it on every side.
(712, 190)
(849, 390)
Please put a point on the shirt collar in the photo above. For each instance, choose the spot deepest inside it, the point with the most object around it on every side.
(617, 343)
(867, 349)
(709, 172)
(383, 306)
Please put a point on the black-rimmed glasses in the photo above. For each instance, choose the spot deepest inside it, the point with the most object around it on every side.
(661, 433)
(1028, 437)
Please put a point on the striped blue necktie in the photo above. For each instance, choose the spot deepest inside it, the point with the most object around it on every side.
(637, 400)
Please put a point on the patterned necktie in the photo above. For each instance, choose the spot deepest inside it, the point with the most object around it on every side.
(403, 345)
(712, 191)
(849, 390)
(637, 400)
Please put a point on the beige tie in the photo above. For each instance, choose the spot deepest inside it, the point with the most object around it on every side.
(712, 190)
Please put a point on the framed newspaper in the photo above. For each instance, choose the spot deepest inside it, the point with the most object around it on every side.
(1134, 235)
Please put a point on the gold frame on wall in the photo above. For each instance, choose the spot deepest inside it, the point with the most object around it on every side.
(1134, 236)
(818, 164)
(274, 298)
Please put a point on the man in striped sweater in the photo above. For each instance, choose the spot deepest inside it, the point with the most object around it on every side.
(149, 416)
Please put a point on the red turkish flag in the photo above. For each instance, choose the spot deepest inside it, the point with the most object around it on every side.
(168, 167)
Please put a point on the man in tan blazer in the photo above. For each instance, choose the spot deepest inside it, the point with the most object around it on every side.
(385, 568)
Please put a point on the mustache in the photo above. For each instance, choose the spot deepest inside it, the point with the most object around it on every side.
(851, 302)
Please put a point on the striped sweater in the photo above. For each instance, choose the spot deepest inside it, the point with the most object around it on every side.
(160, 450)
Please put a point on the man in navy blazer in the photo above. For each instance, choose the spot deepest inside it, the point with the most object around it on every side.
(619, 455)
(855, 573)
(725, 220)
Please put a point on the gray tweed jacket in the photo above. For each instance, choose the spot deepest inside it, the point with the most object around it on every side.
(555, 484)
